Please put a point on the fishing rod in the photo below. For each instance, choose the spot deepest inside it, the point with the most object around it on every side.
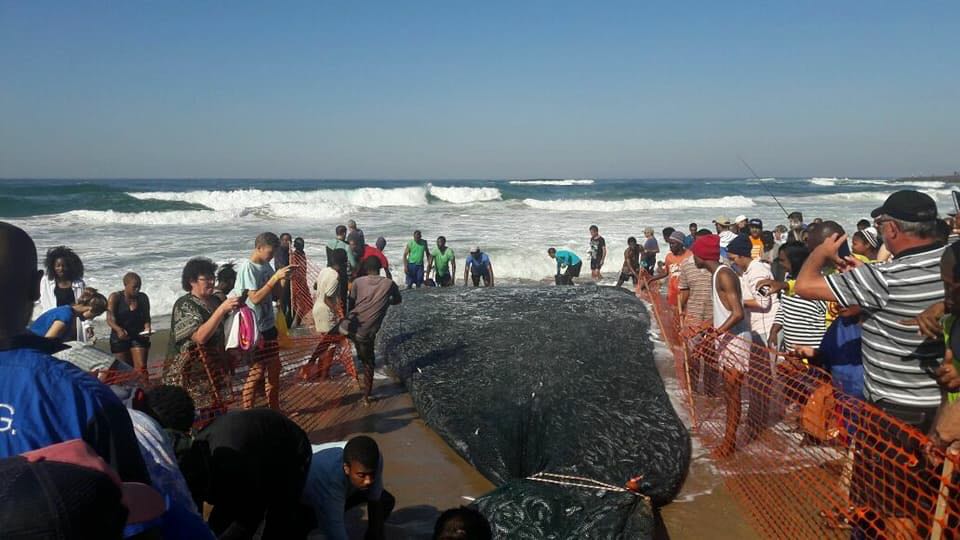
(755, 175)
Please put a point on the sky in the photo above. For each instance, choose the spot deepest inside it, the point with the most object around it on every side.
(449, 89)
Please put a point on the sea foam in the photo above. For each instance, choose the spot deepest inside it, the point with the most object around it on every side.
(624, 205)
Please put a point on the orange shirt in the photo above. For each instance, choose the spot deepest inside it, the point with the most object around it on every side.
(672, 264)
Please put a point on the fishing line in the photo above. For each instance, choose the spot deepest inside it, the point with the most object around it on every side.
(755, 175)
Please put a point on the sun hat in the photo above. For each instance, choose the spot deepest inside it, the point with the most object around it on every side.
(722, 220)
(740, 218)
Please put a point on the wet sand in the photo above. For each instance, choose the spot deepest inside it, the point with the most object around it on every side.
(426, 476)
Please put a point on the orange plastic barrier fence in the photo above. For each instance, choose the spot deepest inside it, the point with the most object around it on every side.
(805, 460)
(310, 377)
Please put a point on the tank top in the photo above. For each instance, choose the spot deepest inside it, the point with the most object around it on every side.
(720, 313)
(132, 321)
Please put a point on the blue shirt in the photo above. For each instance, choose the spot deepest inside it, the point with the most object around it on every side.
(46, 319)
(44, 401)
(252, 277)
(566, 258)
(478, 266)
(688, 241)
(327, 488)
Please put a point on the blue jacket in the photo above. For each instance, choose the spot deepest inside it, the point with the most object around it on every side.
(44, 400)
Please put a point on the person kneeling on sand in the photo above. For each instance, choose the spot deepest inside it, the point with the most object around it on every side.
(343, 475)
(369, 298)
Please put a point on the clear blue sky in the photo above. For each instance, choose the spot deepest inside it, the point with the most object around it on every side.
(485, 89)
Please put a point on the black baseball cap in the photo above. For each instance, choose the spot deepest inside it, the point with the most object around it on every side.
(908, 205)
(756, 222)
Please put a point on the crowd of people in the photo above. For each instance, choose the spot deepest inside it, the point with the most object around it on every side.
(875, 309)
(877, 313)
(80, 463)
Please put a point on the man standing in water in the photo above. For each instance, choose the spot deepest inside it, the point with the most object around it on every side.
(568, 265)
(445, 262)
(258, 281)
(730, 332)
(370, 297)
(478, 266)
(413, 255)
(598, 252)
(631, 263)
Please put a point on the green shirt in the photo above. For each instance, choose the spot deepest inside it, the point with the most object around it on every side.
(441, 261)
(415, 251)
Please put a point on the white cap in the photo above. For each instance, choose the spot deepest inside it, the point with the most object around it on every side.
(475, 249)
(740, 218)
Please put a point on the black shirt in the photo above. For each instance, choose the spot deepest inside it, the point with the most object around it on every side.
(64, 296)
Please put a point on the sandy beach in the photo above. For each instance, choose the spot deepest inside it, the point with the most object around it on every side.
(427, 476)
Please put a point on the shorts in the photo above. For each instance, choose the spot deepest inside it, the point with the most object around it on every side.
(595, 264)
(414, 274)
(365, 350)
(628, 277)
(574, 270)
(118, 345)
(476, 278)
(733, 350)
(445, 281)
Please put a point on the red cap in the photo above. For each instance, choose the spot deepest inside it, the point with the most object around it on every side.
(142, 501)
(707, 247)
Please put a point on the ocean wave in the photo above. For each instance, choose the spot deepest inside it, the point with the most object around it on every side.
(465, 195)
(256, 198)
(625, 205)
(833, 181)
(176, 217)
(569, 182)
(867, 196)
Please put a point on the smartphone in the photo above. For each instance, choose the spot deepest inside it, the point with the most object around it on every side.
(844, 251)
(956, 202)
(243, 296)
(764, 291)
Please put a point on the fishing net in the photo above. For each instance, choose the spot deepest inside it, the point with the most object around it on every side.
(526, 380)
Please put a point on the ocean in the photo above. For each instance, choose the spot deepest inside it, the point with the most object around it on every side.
(153, 226)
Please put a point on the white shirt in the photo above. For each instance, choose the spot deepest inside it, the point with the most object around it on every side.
(726, 237)
(48, 301)
(761, 319)
(328, 285)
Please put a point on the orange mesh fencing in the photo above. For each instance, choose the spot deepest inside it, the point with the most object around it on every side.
(309, 376)
(802, 458)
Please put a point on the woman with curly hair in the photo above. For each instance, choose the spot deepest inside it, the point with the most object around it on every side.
(58, 323)
(196, 333)
(63, 285)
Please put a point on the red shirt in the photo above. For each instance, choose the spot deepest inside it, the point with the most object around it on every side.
(371, 251)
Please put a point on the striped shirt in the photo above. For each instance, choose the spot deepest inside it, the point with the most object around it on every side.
(803, 321)
(698, 281)
(898, 363)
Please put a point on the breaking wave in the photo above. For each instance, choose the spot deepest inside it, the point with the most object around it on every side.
(465, 195)
(593, 205)
(569, 182)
